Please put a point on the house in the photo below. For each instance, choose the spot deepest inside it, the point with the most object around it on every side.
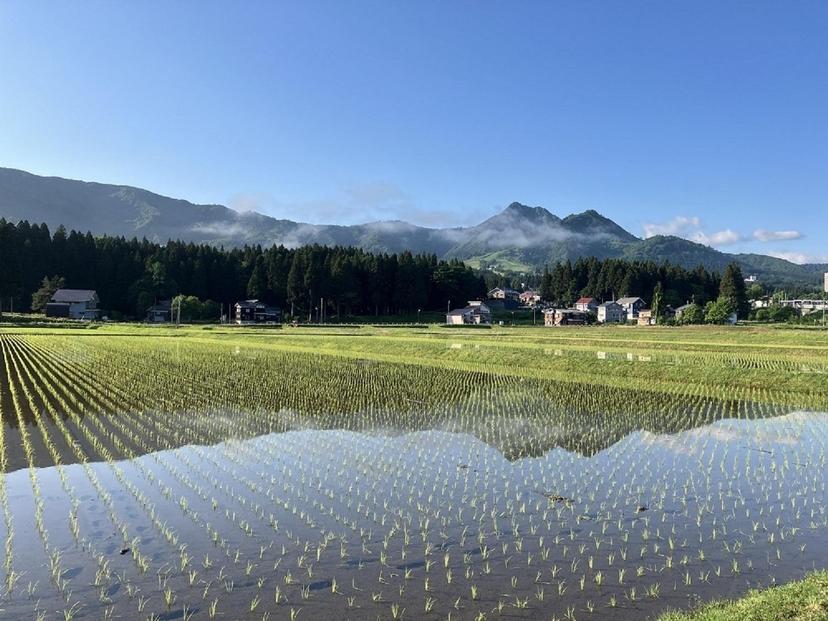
(587, 305)
(631, 306)
(564, 317)
(530, 298)
(474, 313)
(646, 318)
(255, 311)
(611, 312)
(681, 309)
(73, 303)
(504, 293)
(160, 312)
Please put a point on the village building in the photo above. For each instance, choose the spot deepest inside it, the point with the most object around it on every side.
(564, 317)
(632, 306)
(530, 298)
(74, 304)
(682, 309)
(587, 305)
(475, 313)
(504, 293)
(611, 312)
(646, 317)
(255, 311)
(160, 312)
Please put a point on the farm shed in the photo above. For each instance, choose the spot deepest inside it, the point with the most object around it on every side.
(74, 304)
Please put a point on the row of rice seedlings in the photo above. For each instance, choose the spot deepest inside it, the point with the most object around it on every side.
(53, 556)
(117, 434)
(104, 578)
(584, 399)
(59, 392)
(380, 515)
(10, 575)
(186, 482)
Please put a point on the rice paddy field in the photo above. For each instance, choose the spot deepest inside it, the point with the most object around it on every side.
(406, 473)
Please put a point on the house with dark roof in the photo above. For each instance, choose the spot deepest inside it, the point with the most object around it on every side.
(631, 306)
(160, 312)
(475, 313)
(255, 311)
(73, 304)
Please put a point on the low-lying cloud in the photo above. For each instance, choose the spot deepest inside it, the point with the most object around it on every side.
(357, 203)
(800, 258)
(692, 228)
(765, 236)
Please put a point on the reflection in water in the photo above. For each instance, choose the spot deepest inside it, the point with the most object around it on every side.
(363, 525)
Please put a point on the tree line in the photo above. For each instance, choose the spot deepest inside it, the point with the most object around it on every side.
(130, 275)
(610, 279)
(311, 281)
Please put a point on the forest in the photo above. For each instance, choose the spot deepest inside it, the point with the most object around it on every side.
(131, 274)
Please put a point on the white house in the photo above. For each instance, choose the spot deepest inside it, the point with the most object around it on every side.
(530, 298)
(504, 293)
(74, 304)
(631, 306)
(475, 313)
(587, 305)
(611, 312)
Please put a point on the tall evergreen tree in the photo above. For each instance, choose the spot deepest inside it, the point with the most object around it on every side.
(732, 288)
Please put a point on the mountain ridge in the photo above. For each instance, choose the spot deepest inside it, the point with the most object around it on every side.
(519, 238)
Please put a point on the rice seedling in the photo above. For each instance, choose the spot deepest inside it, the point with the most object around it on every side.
(297, 465)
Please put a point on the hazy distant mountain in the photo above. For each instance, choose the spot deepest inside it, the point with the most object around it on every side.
(519, 238)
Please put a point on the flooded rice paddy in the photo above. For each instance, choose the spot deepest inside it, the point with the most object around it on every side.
(197, 484)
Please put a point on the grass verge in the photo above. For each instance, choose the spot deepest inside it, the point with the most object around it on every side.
(806, 600)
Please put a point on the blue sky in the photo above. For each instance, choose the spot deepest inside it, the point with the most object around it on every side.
(703, 119)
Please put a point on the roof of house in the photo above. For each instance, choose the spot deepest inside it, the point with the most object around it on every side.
(459, 311)
(608, 304)
(684, 307)
(630, 300)
(585, 300)
(473, 307)
(249, 303)
(69, 296)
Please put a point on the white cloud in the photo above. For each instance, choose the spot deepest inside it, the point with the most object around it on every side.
(800, 258)
(765, 236)
(719, 238)
(690, 227)
(680, 226)
(357, 204)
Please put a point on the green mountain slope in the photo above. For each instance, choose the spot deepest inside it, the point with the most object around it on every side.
(520, 238)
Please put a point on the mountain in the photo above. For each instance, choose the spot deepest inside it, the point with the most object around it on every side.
(520, 238)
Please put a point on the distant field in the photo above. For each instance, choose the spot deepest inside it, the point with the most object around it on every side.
(761, 364)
